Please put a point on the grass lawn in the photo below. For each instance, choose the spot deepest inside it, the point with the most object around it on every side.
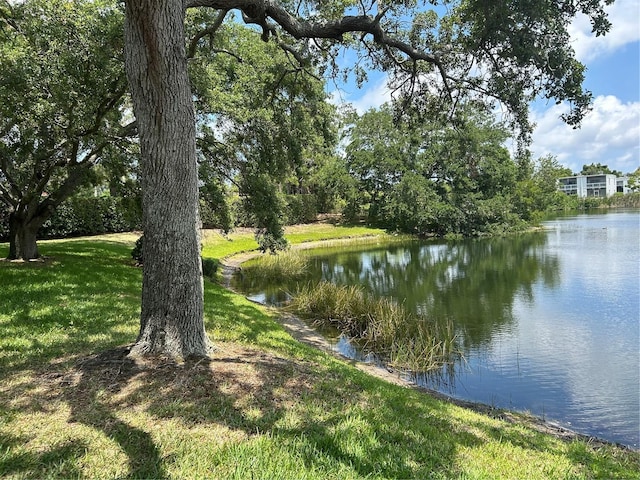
(72, 405)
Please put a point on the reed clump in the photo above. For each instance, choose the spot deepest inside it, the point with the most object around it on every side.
(379, 325)
(282, 266)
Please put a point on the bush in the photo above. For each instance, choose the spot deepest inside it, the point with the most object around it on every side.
(93, 216)
(269, 242)
(85, 216)
(301, 209)
(209, 265)
(137, 252)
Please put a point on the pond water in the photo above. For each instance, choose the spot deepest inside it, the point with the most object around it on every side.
(548, 322)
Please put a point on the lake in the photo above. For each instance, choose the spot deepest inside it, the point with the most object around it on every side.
(548, 322)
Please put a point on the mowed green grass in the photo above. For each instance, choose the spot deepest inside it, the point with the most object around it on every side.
(264, 405)
(217, 245)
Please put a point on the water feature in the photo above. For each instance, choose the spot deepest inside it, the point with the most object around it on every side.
(548, 322)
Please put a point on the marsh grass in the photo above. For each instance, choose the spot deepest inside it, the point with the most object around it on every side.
(380, 325)
(287, 265)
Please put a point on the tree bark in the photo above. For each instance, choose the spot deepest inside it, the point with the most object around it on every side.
(22, 236)
(172, 319)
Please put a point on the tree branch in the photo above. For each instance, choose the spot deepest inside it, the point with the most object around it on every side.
(4, 166)
(329, 29)
(257, 11)
(6, 198)
(191, 51)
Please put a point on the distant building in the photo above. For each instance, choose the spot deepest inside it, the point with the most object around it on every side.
(622, 185)
(600, 185)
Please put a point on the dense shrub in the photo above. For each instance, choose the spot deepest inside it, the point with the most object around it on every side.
(93, 216)
(137, 252)
(301, 209)
(209, 265)
(85, 216)
(619, 200)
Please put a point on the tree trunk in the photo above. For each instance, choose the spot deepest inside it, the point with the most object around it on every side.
(23, 229)
(172, 320)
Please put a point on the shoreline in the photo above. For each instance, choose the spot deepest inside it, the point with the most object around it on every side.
(303, 332)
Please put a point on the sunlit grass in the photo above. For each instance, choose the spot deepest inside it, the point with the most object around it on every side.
(263, 406)
(217, 245)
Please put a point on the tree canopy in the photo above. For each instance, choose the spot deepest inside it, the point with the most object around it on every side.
(63, 70)
(431, 177)
(598, 169)
(63, 92)
(262, 120)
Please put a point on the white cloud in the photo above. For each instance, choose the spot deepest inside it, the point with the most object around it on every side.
(375, 94)
(610, 134)
(625, 18)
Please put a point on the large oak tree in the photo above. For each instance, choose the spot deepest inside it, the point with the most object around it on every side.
(63, 92)
(510, 50)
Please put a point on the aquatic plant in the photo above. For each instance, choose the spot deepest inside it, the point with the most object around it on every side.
(379, 325)
(278, 267)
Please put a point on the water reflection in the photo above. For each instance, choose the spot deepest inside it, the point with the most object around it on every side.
(473, 282)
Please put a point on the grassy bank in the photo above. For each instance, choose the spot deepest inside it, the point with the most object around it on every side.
(217, 245)
(264, 406)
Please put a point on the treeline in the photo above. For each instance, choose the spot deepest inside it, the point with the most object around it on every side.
(112, 214)
(81, 216)
(434, 190)
(271, 148)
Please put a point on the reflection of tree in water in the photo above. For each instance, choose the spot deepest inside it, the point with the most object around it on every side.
(472, 282)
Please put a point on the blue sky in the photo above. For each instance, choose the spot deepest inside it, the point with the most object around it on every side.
(610, 133)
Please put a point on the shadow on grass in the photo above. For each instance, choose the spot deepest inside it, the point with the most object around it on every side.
(321, 417)
(84, 297)
(251, 391)
(111, 371)
(55, 459)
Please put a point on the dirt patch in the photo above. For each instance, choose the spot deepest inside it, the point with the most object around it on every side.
(233, 379)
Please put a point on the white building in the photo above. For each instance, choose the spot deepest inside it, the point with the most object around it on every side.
(600, 185)
(623, 185)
